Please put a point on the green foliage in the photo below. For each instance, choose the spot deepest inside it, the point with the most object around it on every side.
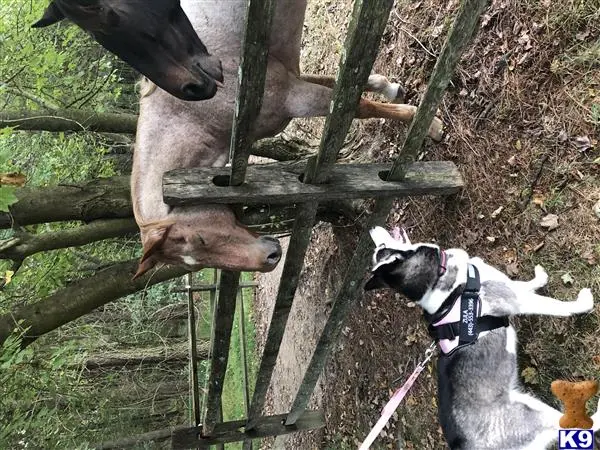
(7, 197)
(58, 66)
(35, 393)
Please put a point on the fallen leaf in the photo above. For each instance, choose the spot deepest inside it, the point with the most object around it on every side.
(497, 212)
(567, 279)
(530, 375)
(13, 179)
(589, 257)
(550, 221)
(596, 209)
(512, 161)
(539, 199)
(518, 145)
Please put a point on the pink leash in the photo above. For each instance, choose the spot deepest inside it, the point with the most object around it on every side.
(396, 399)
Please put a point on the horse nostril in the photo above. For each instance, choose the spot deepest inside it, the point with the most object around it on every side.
(274, 258)
(194, 91)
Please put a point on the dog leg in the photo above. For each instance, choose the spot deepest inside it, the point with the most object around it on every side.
(393, 92)
(529, 303)
(539, 281)
(548, 416)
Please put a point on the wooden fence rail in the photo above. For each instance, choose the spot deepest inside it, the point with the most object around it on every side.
(305, 186)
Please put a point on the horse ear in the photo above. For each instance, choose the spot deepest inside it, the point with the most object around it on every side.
(154, 239)
(51, 16)
(144, 267)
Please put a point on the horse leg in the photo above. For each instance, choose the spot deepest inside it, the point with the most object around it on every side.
(305, 99)
(394, 92)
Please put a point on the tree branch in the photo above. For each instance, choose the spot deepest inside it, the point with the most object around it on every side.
(34, 98)
(23, 244)
(80, 298)
(104, 198)
(69, 120)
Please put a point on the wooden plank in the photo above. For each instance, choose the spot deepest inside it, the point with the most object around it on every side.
(351, 288)
(459, 37)
(220, 339)
(212, 287)
(233, 431)
(369, 19)
(280, 183)
(251, 84)
(365, 31)
(193, 352)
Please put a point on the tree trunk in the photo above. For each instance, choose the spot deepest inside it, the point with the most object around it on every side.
(80, 298)
(137, 357)
(69, 120)
(23, 245)
(109, 198)
(104, 198)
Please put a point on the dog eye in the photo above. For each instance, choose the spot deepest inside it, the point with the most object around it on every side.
(386, 253)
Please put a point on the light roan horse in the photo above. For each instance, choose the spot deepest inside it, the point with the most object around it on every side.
(153, 36)
(175, 134)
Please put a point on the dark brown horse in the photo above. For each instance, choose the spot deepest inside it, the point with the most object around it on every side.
(153, 36)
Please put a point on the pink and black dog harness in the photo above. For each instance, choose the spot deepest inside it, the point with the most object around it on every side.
(459, 322)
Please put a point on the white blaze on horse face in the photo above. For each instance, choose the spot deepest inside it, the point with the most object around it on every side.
(189, 260)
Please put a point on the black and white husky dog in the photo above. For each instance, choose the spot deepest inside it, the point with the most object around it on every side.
(467, 304)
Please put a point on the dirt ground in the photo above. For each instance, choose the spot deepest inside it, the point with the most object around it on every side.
(522, 117)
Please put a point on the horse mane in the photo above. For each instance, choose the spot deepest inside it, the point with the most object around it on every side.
(146, 86)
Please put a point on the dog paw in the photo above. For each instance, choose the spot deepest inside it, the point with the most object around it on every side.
(585, 300)
(541, 276)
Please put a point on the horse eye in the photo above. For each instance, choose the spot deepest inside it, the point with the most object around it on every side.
(112, 18)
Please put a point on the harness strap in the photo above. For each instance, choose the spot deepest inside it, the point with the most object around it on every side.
(461, 323)
(452, 330)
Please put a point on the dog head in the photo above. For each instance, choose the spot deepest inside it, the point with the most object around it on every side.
(410, 269)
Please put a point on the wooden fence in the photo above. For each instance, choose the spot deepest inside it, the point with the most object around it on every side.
(322, 180)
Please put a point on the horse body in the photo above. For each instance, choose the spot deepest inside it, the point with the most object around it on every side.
(173, 134)
(167, 41)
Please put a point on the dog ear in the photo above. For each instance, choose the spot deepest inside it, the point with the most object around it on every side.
(51, 16)
(380, 236)
(375, 282)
